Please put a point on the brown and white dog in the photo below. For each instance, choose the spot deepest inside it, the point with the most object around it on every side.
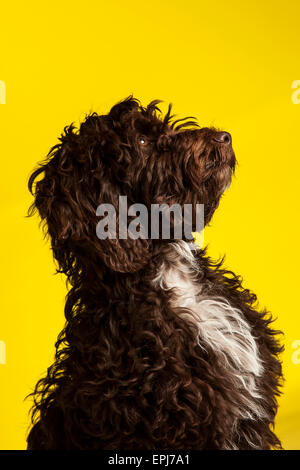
(162, 348)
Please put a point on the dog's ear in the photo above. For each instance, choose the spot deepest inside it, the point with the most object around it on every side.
(59, 195)
(79, 174)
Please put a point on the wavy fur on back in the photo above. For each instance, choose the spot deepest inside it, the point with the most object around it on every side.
(162, 348)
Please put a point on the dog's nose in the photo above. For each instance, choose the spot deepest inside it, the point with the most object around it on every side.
(222, 138)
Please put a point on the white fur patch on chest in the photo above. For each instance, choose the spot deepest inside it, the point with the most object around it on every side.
(220, 326)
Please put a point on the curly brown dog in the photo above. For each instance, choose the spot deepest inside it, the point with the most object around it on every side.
(162, 348)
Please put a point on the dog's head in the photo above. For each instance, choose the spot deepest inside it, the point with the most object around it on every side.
(134, 152)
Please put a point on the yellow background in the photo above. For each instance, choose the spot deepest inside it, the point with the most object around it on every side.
(231, 64)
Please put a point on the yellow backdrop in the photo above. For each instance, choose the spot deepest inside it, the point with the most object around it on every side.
(233, 64)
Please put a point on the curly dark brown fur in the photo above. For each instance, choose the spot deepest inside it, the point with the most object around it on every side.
(129, 372)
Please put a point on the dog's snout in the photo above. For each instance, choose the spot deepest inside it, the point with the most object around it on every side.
(222, 138)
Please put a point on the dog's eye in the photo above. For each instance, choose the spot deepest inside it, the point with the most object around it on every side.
(142, 140)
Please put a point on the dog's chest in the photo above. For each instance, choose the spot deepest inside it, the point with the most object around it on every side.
(221, 328)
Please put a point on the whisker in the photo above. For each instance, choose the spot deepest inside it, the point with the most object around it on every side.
(186, 124)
